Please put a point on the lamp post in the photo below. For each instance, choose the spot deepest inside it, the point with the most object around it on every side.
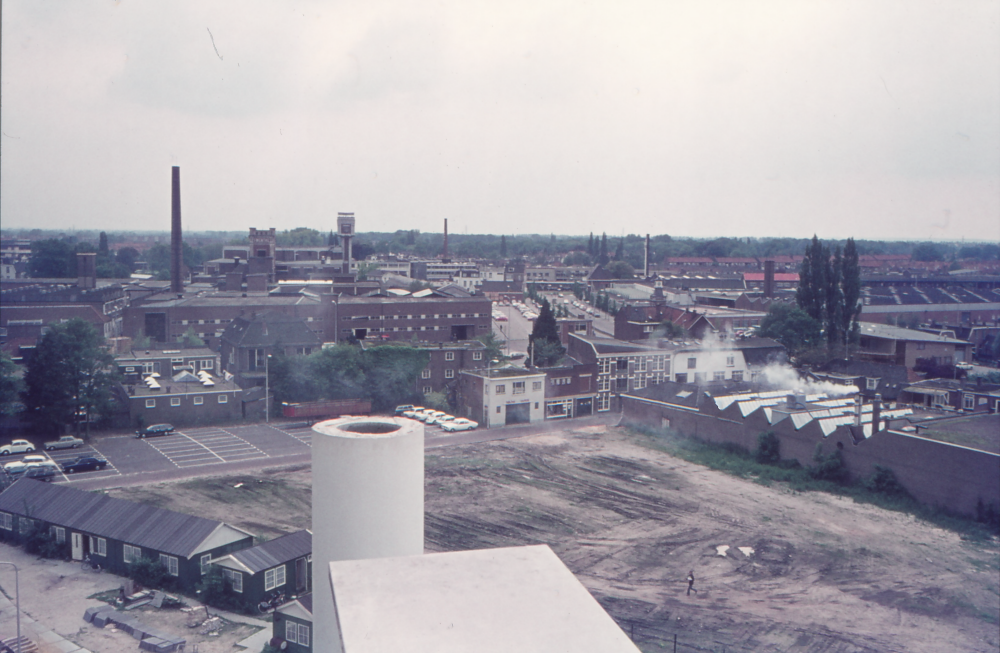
(267, 390)
(17, 602)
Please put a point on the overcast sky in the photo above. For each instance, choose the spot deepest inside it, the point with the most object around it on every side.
(694, 118)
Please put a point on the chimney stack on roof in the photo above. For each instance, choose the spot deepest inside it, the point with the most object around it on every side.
(768, 279)
(176, 245)
(876, 414)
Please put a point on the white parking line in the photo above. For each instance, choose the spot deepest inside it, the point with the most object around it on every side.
(306, 440)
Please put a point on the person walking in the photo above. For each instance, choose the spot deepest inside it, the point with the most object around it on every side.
(690, 580)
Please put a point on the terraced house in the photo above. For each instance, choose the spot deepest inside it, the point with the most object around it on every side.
(116, 533)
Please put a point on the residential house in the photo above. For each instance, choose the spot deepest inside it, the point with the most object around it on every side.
(293, 625)
(248, 341)
(283, 564)
(167, 362)
(186, 398)
(890, 344)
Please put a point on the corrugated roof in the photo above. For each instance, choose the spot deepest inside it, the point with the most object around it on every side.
(275, 552)
(93, 513)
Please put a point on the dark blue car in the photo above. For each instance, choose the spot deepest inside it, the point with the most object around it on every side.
(84, 464)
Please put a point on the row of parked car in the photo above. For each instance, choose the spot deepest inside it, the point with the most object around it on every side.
(440, 418)
(43, 468)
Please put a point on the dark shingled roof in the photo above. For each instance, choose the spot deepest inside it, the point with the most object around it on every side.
(275, 552)
(97, 514)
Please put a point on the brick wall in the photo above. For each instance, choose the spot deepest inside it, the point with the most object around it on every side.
(935, 473)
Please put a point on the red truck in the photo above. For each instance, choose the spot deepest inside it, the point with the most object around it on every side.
(328, 408)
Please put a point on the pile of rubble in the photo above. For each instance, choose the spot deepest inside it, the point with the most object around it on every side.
(150, 639)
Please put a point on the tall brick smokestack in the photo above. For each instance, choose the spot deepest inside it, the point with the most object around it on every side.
(176, 245)
(444, 254)
(645, 265)
(769, 278)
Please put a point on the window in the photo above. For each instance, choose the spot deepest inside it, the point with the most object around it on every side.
(730, 361)
(132, 553)
(449, 374)
(130, 369)
(642, 364)
(969, 402)
(871, 384)
(536, 385)
(199, 401)
(718, 376)
(428, 389)
(640, 383)
(297, 633)
(274, 578)
(477, 355)
(426, 374)
(175, 401)
(563, 380)
(501, 389)
(205, 559)
(603, 384)
(235, 579)
(737, 376)
(692, 363)
(921, 345)
(682, 378)
(59, 533)
(150, 403)
(449, 355)
(98, 546)
(223, 399)
(648, 328)
(169, 563)
(518, 387)
(147, 368)
(498, 409)
(6, 521)
(26, 525)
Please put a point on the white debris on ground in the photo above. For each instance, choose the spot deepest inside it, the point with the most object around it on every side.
(721, 549)
(746, 550)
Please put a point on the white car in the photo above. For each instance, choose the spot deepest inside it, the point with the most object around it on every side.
(19, 466)
(431, 414)
(17, 446)
(440, 420)
(460, 424)
(412, 414)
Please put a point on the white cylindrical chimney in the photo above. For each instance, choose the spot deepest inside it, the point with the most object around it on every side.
(368, 502)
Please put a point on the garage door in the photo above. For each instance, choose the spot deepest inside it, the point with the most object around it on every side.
(518, 413)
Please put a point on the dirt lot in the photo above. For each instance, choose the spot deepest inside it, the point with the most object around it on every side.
(775, 570)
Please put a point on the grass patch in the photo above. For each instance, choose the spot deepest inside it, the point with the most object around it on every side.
(878, 490)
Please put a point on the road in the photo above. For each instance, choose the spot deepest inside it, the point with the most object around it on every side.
(221, 450)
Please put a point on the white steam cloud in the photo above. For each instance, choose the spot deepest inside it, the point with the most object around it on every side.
(784, 377)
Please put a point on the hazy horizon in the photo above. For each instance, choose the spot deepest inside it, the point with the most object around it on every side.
(876, 121)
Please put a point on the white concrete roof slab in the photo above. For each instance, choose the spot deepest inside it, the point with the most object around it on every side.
(490, 601)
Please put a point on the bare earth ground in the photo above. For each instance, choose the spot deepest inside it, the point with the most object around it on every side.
(816, 573)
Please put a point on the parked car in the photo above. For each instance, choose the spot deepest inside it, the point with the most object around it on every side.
(84, 464)
(413, 414)
(65, 442)
(444, 419)
(400, 410)
(155, 430)
(429, 415)
(460, 424)
(438, 419)
(17, 446)
(18, 466)
(42, 473)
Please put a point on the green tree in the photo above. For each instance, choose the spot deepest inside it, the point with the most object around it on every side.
(590, 245)
(620, 270)
(494, 346)
(544, 342)
(834, 298)
(851, 291)
(811, 294)
(69, 376)
(791, 326)
(503, 246)
(603, 258)
(11, 386)
(620, 250)
(191, 339)
(102, 244)
(52, 259)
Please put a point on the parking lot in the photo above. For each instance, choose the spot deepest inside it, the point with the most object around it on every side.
(190, 451)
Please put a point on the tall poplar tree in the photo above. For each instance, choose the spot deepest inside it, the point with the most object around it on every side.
(503, 246)
(834, 297)
(590, 245)
(851, 285)
(604, 249)
(811, 295)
